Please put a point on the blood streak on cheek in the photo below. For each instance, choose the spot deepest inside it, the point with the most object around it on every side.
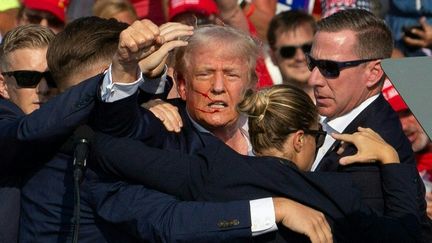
(207, 97)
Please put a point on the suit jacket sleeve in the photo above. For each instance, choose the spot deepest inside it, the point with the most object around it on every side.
(400, 221)
(23, 137)
(172, 172)
(125, 118)
(156, 217)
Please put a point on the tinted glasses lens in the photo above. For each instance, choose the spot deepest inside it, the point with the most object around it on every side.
(328, 69)
(320, 139)
(310, 62)
(50, 80)
(27, 79)
(306, 48)
(36, 16)
(287, 51)
(30, 79)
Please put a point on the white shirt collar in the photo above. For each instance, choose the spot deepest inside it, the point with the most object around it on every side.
(337, 125)
(244, 131)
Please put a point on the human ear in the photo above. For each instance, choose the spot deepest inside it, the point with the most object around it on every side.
(181, 84)
(3, 87)
(375, 73)
(298, 141)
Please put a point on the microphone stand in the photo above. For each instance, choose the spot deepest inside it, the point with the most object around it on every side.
(79, 163)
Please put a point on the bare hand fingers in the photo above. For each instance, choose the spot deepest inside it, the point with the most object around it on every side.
(414, 42)
(167, 113)
(156, 58)
(172, 119)
(172, 26)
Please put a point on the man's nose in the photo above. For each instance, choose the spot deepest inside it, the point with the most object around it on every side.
(316, 78)
(218, 83)
(42, 88)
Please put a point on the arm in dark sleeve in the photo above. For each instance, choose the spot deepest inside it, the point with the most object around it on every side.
(125, 118)
(154, 217)
(145, 96)
(23, 135)
(171, 172)
(59, 115)
(400, 222)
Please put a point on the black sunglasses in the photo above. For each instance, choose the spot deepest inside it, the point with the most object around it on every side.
(319, 136)
(30, 79)
(36, 16)
(290, 51)
(331, 69)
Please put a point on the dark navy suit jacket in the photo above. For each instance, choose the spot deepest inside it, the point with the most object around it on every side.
(27, 141)
(216, 172)
(380, 117)
(32, 147)
(199, 180)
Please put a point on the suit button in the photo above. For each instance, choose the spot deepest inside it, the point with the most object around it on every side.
(226, 224)
(235, 222)
(222, 224)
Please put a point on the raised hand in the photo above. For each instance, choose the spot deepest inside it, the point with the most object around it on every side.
(424, 34)
(135, 43)
(145, 45)
(173, 35)
(370, 147)
(303, 220)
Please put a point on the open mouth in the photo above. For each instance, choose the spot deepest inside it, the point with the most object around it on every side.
(217, 105)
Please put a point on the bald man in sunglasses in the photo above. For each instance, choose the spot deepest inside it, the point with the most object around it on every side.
(347, 79)
(290, 35)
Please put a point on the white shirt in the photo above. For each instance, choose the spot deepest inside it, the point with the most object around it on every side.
(261, 210)
(337, 125)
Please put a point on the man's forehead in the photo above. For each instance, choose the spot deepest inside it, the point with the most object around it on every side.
(27, 55)
(333, 44)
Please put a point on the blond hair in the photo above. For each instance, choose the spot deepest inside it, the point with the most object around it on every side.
(26, 36)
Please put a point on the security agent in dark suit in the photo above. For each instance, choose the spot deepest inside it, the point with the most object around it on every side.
(48, 188)
(347, 79)
(283, 123)
(222, 95)
(23, 88)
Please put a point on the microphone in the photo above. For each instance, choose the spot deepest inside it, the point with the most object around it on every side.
(83, 135)
(81, 153)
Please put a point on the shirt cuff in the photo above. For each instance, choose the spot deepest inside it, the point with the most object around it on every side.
(262, 216)
(155, 85)
(111, 92)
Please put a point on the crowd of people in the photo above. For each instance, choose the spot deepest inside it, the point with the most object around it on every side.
(210, 121)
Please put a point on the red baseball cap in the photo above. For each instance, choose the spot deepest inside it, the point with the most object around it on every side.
(393, 97)
(56, 7)
(206, 7)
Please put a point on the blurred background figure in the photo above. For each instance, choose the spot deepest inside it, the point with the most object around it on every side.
(8, 15)
(420, 142)
(290, 36)
(122, 10)
(150, 9)
(49, 13)
(329, 7)
(198, 12)
(411, 26)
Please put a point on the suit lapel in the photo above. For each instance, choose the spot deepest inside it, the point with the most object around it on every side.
(330, 161)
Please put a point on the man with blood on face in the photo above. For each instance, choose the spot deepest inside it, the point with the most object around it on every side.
(213, 72)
